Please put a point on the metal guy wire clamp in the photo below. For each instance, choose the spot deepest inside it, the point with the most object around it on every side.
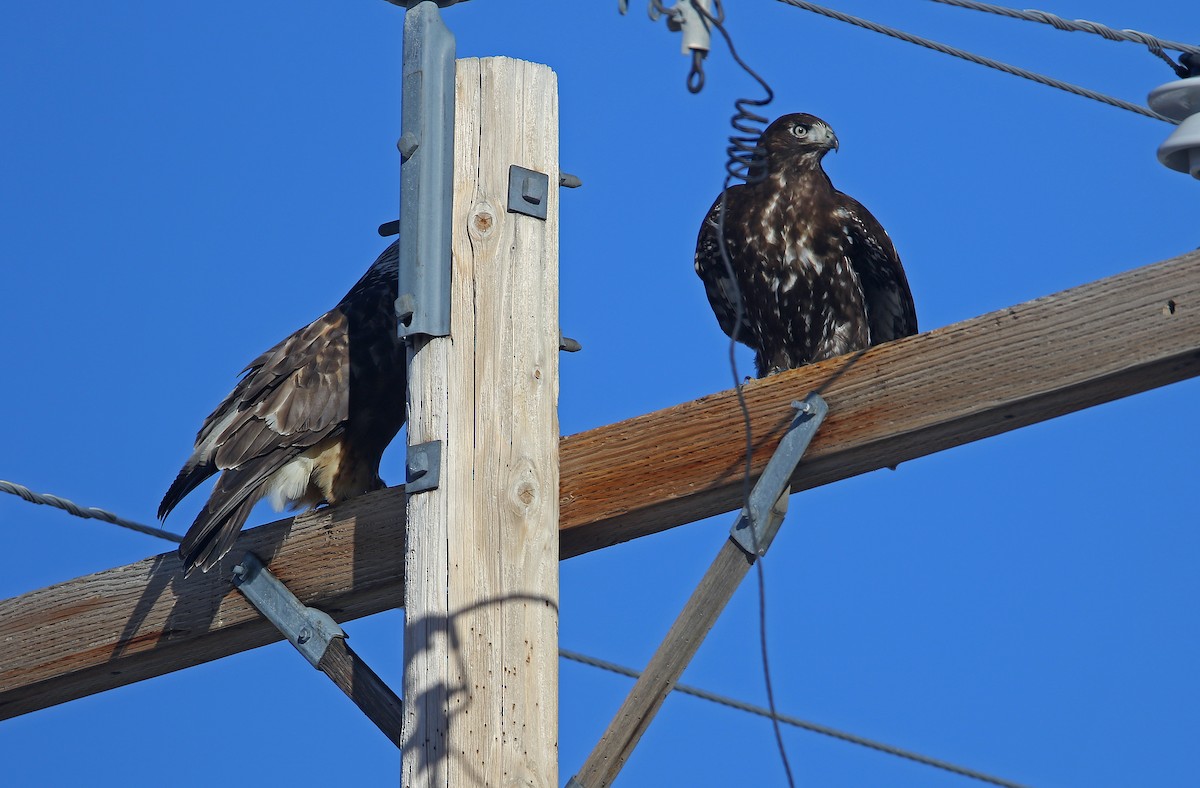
(318, 637)
(749, 539)
(758, 523)
(308, 629)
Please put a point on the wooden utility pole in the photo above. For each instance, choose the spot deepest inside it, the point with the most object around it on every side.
(481, 562)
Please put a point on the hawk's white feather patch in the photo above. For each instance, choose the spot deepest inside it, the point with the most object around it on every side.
(289, 484)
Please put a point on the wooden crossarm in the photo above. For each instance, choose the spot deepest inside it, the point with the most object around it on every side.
(981, 377)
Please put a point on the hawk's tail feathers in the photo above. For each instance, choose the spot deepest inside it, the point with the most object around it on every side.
(193, 473)
(217, 526)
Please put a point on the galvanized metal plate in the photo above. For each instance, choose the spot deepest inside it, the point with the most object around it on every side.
(528, 191)
(757, 526)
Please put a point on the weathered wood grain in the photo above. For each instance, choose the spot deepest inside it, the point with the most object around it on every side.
(670, 659)
(481, 645)
(362, 685)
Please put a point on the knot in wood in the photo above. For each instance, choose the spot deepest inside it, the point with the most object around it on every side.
(483, 220)
(526, 492)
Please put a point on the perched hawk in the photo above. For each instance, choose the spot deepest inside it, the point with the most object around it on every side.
(306, 424)
(817, 273)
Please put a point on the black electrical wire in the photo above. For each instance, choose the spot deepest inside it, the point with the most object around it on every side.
(813, 727)
(945, 49)
(743, 163)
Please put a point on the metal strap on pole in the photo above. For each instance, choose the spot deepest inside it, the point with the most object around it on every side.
(749, 539)
(427, 176)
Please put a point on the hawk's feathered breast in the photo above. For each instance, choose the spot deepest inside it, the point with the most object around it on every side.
(818, 276)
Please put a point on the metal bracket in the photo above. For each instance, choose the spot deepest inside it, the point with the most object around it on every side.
(684, 17)
(427, 173)
(528, 191)
(423, 468)
(757, 525)
(1180, 101)
(306, 628)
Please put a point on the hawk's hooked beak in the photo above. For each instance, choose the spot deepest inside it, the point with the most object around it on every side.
(830, 140)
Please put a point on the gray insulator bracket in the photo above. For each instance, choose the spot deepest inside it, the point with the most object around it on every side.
(758, 523)
(423, 467)
(426, 174)
(1180, 101)
(308, 629)
(683, 17)
(528, 191)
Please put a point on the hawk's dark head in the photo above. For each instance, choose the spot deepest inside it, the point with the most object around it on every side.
(798, 139)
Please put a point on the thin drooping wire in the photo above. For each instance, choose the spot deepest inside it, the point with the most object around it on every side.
(796, 722)
(945, 49)
(1153, 43)
(742, 156)
(89, 512)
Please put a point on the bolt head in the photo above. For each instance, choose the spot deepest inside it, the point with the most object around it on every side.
(407, 145)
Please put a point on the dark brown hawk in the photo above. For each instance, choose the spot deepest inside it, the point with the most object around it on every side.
(306, 424)
(818, 275)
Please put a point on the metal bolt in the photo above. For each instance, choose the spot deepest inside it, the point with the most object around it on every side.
(417, 464)
(407, 145)
(406, 307)
(304, 636)
(531, 191)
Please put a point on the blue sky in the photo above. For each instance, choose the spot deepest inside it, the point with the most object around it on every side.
(184, 184)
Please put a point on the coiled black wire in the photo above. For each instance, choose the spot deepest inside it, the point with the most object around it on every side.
(743, 162)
